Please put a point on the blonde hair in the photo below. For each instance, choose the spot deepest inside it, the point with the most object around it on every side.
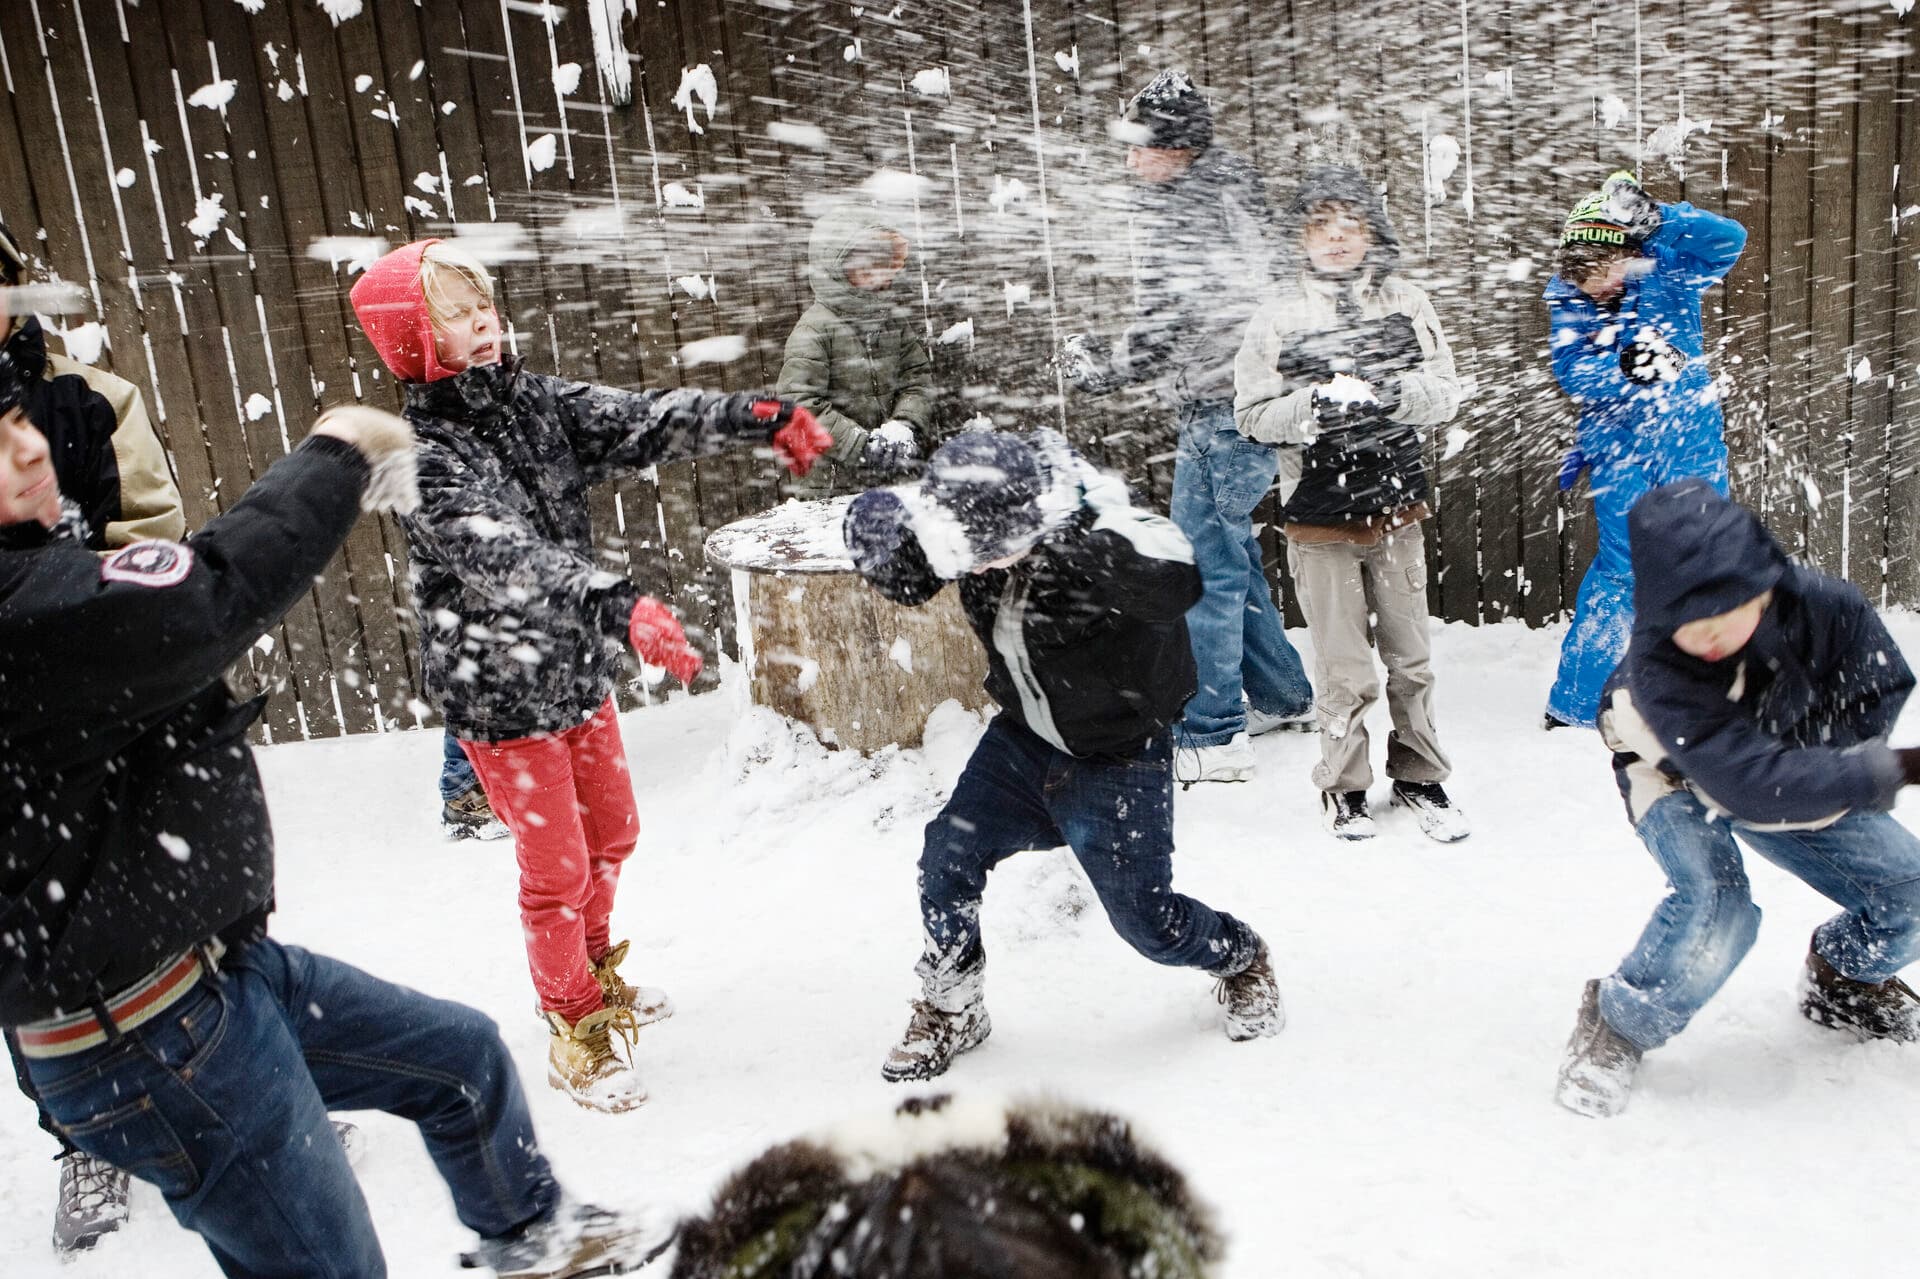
(441, 266)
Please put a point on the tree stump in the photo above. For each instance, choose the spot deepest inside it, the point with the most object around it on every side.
(822, 647)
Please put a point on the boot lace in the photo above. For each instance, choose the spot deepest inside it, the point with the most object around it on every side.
(94, 1184)
(596, 1031)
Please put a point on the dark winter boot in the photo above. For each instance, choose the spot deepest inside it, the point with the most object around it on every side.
(1883, 1010)
(1345, 814)
(1596, 1076)
(469, 816)
(577, 1241)
(934, 1037)
(1252, 997)
(93, 1202)
(1439, 817)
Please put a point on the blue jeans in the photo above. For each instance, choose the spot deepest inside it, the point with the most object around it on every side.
(222, 1103)
(456, 771)
(1018, 792)
(1867, 862)
(1239, 644)
(1603, 612)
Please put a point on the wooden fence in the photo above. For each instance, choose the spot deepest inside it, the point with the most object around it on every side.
(212, 172)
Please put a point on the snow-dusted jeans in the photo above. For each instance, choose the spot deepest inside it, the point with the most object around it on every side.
(456, 770)
(1356, 597)
(1867, 862)
(1239, 642)
(1018, 792)
(568, 800)
(222, 1103)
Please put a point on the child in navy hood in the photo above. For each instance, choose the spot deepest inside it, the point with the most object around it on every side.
(1079, 598)
(1755, 700)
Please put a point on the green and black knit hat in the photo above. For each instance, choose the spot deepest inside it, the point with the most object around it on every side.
(1591, 222)
(946, 1189)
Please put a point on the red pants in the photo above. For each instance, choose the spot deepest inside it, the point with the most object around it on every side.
(568, 800)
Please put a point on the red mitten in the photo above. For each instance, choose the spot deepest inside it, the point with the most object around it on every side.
(656, 636)
(801, 440)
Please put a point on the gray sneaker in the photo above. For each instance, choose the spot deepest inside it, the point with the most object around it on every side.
(1596, 1076)
(576, 1241)
(93, 1202)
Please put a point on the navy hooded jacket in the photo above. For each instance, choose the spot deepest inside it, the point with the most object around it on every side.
(1790, 730)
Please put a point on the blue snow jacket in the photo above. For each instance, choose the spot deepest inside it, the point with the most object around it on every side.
(1789, 731)
(1665, 430)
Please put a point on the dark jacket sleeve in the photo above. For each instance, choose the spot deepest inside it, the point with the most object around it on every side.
(1871, 681)
(495, 551)
(1132, 562)
(1741, 768)
(614, 431)
(167, 641)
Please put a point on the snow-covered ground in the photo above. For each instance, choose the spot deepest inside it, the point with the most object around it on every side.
(1402, 1124)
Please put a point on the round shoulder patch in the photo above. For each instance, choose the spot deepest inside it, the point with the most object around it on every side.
(148, 564)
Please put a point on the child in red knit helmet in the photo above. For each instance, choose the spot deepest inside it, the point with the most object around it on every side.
(520, 626)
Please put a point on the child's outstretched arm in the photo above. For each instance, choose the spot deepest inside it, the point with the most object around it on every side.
(1704, 245)
(1269, 405)
(614, 431)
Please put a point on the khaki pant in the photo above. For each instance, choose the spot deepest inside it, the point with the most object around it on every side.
(1356, 597)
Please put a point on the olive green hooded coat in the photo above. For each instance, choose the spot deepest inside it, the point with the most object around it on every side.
(857, 358)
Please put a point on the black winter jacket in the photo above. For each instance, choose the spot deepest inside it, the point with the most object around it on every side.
(1086, 637)
(1790, 731)
(133, 824)
(520, 625)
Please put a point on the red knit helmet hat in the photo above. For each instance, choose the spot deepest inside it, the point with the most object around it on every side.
(391, 305)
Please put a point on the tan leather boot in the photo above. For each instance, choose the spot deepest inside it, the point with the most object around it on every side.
(582, 1062)
(645, 1002)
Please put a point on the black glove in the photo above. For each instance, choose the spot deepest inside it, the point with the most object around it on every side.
(1909, 757)
(1627, 204)
(890, 447)
(1650, 358)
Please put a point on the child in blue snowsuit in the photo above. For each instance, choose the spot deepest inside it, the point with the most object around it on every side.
(1628, 347)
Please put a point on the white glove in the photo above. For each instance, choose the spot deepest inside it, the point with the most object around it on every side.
(386, 441)
(891, 445)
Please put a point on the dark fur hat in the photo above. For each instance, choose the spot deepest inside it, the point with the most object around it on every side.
(943, 1189)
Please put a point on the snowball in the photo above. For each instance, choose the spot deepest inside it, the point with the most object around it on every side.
(177, 848)
(1346, 389)
(1018, 294)
(719, 350)
(123, 178)
(542, 151)
(424, 181)
(361, 83)
(84, 341)
(934, 82)
(1012, 191)
(212, 96)
(1519, 269)
(901, 654)
(1863, 370)
(340, 10)
(677, 196)
(811, 136)
(566, 78)
(252, 6)
(695, 286)
(207, 216)
(1069, 62)
(358, 251)
(696, 83)
(1613, 109)
(897, 186)
(258, 406)
(960, 332)
(424, 208)
(1443, 157)
(851, 53)
(1456, 440)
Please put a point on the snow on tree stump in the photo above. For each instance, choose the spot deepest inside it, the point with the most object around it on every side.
(822, 647)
